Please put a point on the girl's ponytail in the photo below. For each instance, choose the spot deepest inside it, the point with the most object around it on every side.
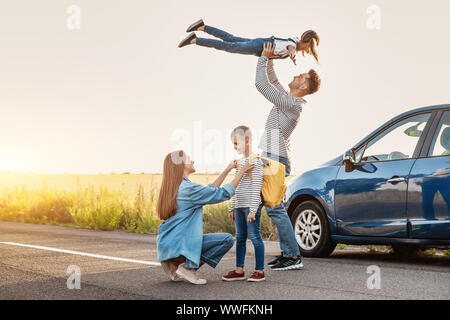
(313, 39)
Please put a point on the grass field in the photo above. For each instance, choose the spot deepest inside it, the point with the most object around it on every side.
(103, 202)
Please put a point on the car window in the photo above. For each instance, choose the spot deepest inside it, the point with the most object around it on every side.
(441, 141)
(397, 142)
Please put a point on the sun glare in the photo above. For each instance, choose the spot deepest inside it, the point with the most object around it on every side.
(8, 163)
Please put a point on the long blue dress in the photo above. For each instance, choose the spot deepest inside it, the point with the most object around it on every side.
(182, 234)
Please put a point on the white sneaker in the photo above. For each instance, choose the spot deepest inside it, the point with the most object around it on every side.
(170, 269)
(189, 274)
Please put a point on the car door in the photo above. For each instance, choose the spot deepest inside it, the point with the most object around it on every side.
(371, 199)
(429, 185)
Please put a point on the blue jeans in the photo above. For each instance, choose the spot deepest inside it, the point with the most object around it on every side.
(280, 217)
(243, 227)
(231, 43)
(214, 247)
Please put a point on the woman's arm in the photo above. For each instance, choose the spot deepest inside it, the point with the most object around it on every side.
(202, 195)
(218, 182)
(247, 166)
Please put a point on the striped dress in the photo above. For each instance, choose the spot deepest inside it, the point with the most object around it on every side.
(248, 192)
(284, 116)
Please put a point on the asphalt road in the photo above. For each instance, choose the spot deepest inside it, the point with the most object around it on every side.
(37, 273)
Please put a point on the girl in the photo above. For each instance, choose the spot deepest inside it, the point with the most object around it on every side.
(284, 48)
(182, 247)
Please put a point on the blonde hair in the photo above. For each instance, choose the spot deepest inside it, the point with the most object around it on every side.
(242, 131)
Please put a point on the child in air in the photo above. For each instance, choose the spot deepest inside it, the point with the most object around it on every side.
(284, 48)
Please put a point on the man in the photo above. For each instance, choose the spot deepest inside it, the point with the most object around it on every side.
(280, 124)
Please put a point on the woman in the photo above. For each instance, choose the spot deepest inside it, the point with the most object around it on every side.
(182, 247)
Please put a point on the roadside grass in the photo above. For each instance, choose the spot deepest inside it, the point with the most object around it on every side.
(99, 208)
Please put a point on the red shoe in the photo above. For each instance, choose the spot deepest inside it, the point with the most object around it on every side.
(257, 276)
(233, 276)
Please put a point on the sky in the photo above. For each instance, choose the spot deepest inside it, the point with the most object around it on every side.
(117, 94)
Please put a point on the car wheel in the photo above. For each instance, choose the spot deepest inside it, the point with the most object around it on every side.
(311, 230)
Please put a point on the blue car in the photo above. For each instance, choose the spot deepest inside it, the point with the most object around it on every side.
(391, 188)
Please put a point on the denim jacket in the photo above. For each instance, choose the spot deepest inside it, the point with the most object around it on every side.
(182, 234)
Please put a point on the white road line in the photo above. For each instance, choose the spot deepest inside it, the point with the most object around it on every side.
(151, 263)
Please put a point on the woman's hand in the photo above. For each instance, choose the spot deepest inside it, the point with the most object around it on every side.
(268, 50)
(248, 165)
(251, 217)
(232, 165)
(231, 215)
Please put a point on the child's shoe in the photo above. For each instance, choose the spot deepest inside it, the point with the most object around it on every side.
(233, 276)
(195, 26)
(257, 277)
(186, 41)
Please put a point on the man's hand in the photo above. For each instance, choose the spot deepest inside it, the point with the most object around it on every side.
(231, 215)
(251, 217)
(268, 49)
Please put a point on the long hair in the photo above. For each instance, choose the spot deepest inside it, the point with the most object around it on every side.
(313, 39)
(172, 177)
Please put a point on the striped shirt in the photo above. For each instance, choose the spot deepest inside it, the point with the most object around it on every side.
(283, 118)
(248, 191)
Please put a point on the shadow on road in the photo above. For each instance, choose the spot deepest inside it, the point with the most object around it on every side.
(413, 259)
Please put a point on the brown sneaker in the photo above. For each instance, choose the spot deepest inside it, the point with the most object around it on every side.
(234, 276)
(187, 41)
(195, 26)
(257, 277)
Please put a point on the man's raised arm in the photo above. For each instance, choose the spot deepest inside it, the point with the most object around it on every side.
(273, 79)
(279, 98)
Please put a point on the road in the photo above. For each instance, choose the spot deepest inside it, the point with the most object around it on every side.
(122, 265)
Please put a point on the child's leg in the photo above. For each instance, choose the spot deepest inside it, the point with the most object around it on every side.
(256, 238)
(252, 47)
(240, 217)
(225, 36)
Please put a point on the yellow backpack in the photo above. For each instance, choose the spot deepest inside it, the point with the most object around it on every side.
(273, 187)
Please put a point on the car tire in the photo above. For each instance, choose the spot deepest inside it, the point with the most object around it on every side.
(311, 229)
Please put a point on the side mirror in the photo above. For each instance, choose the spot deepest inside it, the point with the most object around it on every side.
(349, 160)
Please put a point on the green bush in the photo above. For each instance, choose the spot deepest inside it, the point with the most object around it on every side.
(101, 209)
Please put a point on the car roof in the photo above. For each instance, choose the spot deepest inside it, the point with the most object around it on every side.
(429, 108)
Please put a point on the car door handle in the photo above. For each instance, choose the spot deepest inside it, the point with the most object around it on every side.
(396, 180)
